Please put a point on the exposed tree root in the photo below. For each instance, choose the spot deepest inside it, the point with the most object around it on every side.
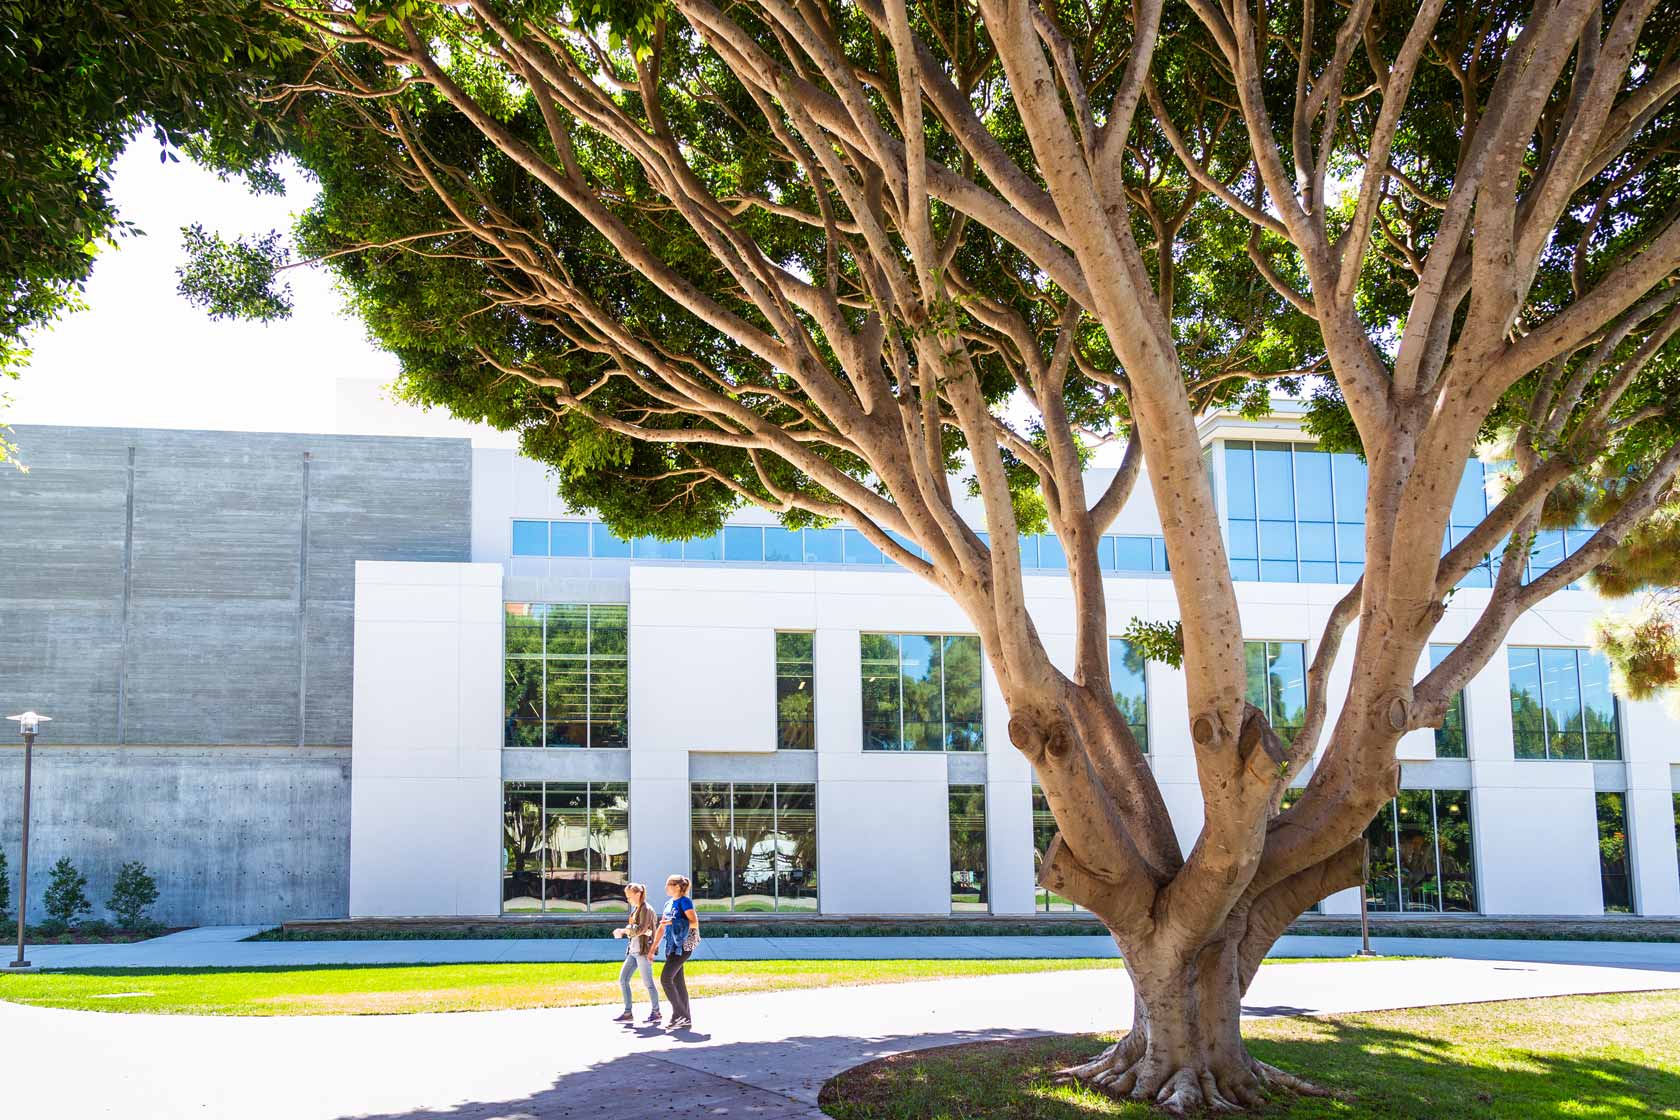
(1125, 1071)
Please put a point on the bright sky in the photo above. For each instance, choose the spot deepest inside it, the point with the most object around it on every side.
(141, 356)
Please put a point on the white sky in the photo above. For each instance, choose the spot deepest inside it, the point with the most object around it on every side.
(141, 356)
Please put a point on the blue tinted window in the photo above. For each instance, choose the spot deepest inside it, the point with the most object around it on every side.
(1245, 542)
(784, 546)
(1547, 552)
(605, 544)
(530, 538)
(1317, 572)
(568, 538)
(1318, 540)
(1312, 485)
(1348, 475)
(1470, 503)
(743, 542)
(1277, 540)
(1350, 543)
(860, 549)
(908, 545)
(1029, 550)
(1245, 569)
(1274, 481)
(1159, 560)
(1279, 571)
(1239, 479)
(1350, 573)
(1050, 552)
(704, 548)
(1131, 554)
(1105, 553)
(822, 546)
(652, 548)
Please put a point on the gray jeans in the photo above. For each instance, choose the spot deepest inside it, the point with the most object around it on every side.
(631, 964)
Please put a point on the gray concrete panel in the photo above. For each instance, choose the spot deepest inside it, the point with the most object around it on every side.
(567, 765)
(232, 835)
(780, 766)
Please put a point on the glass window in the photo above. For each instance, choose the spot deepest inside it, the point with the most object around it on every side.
(921, 693)
(784, 546)
(1313, 500)
(566, 675)
(1561, 705)
(1239, 479)
(743, 543)
(1274, 481)
(860, 549)
(823, 546)
(605, 544)
(1451, 738)
(1126, 672)
(1044, 831)
(753, 846)
(565, 846)
(1277, 684)
(1613, 853)
(1421, 852)
(1131, 554)
(967, 812)
(796, 692)
(568, 538)
(652, 548)
(1051, 554)
(530, 538)
(704, 548)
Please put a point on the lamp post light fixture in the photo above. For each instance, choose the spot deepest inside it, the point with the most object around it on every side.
(29, 724)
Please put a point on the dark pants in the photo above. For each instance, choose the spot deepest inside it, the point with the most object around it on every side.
(675, 984)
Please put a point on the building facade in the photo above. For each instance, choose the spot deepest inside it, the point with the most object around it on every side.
(491, 705)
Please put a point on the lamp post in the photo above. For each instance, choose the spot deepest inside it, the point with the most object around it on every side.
(1364, 919)
(29, 723)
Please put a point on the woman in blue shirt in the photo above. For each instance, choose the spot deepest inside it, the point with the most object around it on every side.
(678, 934)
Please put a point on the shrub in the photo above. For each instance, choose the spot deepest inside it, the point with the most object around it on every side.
(5, 888)
(66, 898)
(133, 891)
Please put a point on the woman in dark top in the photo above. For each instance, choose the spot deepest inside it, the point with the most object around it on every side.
(678, 934)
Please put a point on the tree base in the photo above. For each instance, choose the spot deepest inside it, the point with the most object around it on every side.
(1127, 1071)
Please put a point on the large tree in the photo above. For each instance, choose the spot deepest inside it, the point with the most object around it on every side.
(845, 260)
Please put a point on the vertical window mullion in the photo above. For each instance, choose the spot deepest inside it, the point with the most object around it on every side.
(1435, 842)
(775, 846)
(903, 744)
(1394, 824)
(588, 846)
(730, 786)
(588, 645)
(542, 843)
(542, 676)
(944, 713)
(1540, 696)
(1581, 706)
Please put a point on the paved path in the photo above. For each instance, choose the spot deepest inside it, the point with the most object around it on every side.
(225, 946)
(765, 1056)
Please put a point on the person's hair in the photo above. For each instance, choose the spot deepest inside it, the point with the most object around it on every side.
(681, 882)
(639, 889)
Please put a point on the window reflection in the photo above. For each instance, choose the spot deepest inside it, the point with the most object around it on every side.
(566, 675)
(1451, 738)
(1277, 684)
(795, 692)
(1044, 831)
(1294, 513)
(966, 806)
(753, 846)
(921, 692)
(1613, 853)
(1561, 704)
(1127, 675)
(565, 846)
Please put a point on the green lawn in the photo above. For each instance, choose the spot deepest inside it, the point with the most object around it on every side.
(401, 989)
(1582, 1057)
(398, 989)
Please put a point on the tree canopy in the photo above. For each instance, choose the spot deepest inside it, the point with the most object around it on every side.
(840, 260)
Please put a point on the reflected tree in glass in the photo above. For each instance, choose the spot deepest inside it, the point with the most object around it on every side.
(711, 851)
(882, 703)
(522, 847)
(795, 692)
(965, 727)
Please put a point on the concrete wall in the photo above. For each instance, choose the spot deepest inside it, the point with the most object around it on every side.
(232, 835)
(162, 587)
(181, 603)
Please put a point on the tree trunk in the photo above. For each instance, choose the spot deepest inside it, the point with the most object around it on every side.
(1185, 1051)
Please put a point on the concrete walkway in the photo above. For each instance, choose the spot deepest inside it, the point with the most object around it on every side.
(764, 1056)
(224, 946)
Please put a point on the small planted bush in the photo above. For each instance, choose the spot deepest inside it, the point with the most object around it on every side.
(66, 899)
(5, 888)
(131, 894)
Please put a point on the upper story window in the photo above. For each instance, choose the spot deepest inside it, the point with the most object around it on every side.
(1277, 684)
(759, 544)
(1452, 737)
(1561, 705)
(796, 692)
(921, 692)
(1296, 514)
(1131, 689)
(566, 675)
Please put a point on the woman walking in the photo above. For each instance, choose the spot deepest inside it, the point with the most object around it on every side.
(638, 955)
(679, 933)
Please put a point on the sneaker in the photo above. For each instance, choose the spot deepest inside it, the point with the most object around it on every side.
(626, 1017)
(681, 1024)
(654, 1019)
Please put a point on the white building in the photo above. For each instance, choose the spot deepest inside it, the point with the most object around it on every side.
(804, 728)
